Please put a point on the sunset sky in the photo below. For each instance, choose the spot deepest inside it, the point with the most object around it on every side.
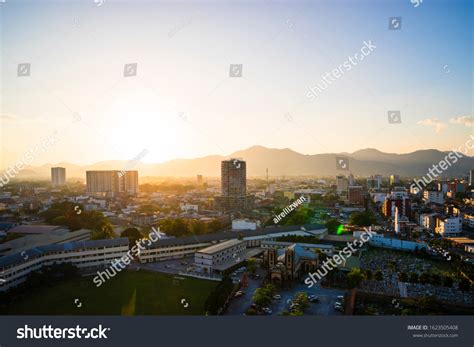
(183, 104)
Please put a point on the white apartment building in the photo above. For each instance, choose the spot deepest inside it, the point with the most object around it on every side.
(185, 207)
(15, 268)
(245, 224)
(170, 249)
(428, 220)
(433, 196)
(342, 184)
(468, 220)
(448, 226)
(58, 176)
(209, 257)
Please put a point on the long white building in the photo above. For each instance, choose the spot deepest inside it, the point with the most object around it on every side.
(15, 268)
(208, 258)
(181, 247)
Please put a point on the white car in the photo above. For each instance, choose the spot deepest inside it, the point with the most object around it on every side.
(267, 310)
(238, 294)
(340, 297)
(277, 297)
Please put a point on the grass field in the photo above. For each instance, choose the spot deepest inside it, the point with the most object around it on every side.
(128, 293)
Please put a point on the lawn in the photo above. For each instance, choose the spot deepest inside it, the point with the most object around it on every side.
(128, 293)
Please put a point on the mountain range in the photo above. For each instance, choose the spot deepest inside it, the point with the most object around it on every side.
(280, 162)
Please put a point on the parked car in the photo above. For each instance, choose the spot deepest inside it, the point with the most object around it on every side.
(239, 294)
(338, 303)
(339, 308)
(277, 297)
(267, 310)
(313, 298)
(340, 297)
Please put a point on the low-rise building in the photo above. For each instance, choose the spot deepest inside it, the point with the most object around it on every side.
(448, 226)
(208, 258)
(433, 196)
(15, 268)
(379, 240)
(245, 224)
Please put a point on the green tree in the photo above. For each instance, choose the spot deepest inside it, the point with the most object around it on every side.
(106, 232)
(378, 276)
(261, 298)
(464, 284)
(448, 281)
(368, 274)
(354, 278)
(263, 295)
(362, 219)
(302, 300)
(413, 277)
(435, 279)
(332, 225)
(403, 277)
(252, 265)
(133, 235)
(425, 278)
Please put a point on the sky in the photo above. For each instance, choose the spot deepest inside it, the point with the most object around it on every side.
(182, 103)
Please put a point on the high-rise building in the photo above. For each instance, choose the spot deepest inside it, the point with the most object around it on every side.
(58, 176)
(374, 182)
(394, 179)
(433, 196)
(351, 180)
(397, 221)
(342, 184)
(112, 182)
(355, 195)
(471, 178)
(402, 205)
(234, 187)
(128, 182)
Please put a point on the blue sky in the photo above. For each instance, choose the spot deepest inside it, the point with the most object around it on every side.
(182, 103)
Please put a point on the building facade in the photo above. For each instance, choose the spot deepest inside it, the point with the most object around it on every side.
(234, 187)
(15, 268)
(208, 258)
(112, 182)
(58, 176)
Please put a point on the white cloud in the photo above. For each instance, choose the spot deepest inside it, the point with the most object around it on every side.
(464, 120)
(433, 122)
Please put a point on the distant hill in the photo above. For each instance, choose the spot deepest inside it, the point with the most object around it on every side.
(279, 162)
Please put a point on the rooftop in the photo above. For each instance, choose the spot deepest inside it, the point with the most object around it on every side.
(64, 247)
(310, 229)
(221, 246)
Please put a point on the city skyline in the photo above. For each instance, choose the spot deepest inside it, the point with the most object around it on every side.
(179, 101)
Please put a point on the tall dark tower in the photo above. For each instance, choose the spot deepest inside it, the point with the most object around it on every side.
(234, 187)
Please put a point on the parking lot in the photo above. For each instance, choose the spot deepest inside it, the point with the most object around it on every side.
(325, 306)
